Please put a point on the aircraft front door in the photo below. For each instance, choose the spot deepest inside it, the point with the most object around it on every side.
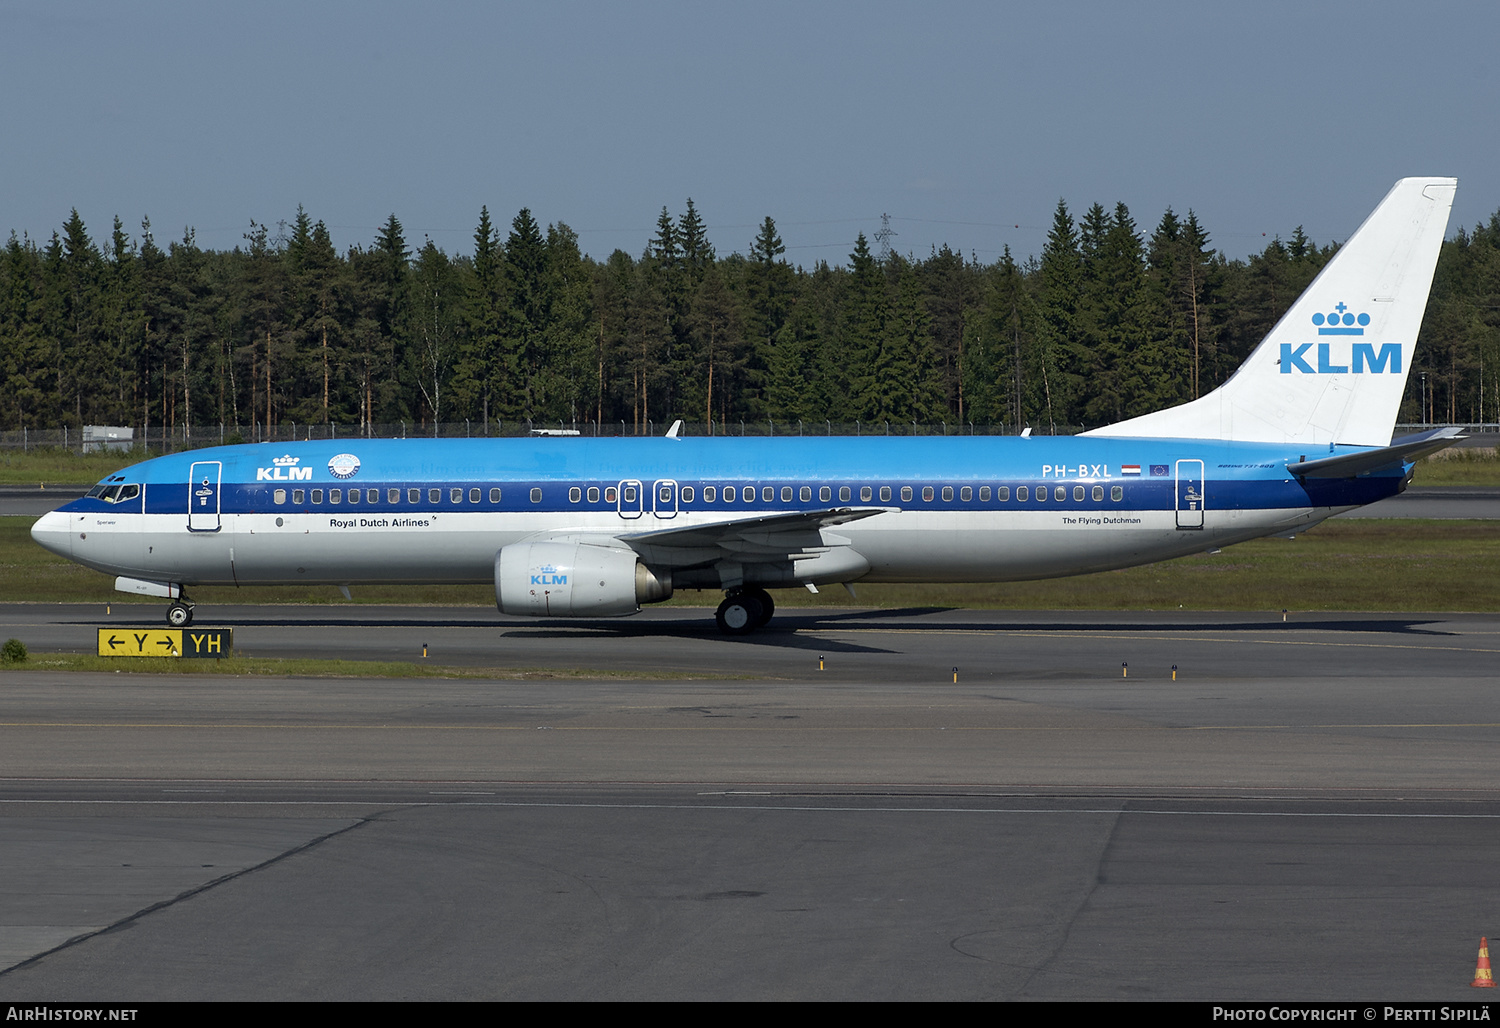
(203, 496)
(631, 502)
(1190, 497)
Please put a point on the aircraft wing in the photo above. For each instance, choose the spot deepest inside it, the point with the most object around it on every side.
(774, 537)
(1352, 465)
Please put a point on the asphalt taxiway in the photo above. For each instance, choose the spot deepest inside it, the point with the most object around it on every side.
(650, 810)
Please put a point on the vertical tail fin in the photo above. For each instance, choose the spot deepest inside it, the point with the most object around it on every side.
(1334, 368)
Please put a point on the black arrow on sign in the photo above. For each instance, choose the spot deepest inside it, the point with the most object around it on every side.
(113, 642)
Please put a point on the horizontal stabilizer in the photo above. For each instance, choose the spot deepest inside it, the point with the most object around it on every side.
(1352, 465)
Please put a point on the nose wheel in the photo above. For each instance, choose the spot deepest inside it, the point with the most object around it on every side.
(180, 614)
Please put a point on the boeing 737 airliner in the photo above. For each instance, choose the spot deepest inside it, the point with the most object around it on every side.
(596, 527)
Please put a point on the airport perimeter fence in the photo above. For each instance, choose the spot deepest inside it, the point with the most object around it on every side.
(163, 439)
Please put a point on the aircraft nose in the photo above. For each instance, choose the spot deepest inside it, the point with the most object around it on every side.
(51, 532)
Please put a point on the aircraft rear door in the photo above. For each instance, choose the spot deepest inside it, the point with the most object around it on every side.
(203, 496)
(1190, 498)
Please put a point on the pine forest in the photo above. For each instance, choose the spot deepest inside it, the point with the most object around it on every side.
(1109, 321)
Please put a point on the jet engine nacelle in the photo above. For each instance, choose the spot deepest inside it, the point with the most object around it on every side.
(565, 579)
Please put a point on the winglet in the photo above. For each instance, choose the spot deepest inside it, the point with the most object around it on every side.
(676, 428)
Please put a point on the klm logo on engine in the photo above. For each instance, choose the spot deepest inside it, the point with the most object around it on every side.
(547, 574)
(1358, 358)
(285, 470)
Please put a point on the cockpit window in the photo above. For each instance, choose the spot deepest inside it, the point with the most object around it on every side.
(113, 493)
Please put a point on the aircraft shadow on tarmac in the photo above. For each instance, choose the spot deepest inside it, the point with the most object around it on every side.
(792, 627)
(897, 618)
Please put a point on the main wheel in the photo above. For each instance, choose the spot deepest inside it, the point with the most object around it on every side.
(739, 614)
(179, 615)
(767, 605)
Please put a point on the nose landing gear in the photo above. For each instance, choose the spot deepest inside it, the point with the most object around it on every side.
(180, 613)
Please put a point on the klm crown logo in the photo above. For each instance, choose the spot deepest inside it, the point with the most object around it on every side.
(1359, 358)
(1340, 322)
(548, 574)
(285, 470)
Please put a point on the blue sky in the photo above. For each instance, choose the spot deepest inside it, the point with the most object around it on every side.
(966, 122)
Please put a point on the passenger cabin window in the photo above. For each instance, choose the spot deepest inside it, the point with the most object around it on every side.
(710, 494)
(413, 496)
(906, 492)
(536, 495)
(1022, 493)
(629, 494)
(474, 495)
(1003, 494)
(748, 494)
(805, 493)
(825, 493)
(317, 496)
(575, 494)
(866, 494)
(298, 494)
(434, 496)
(495, 494)
(664, 494)
(1060, 493)
(844, 493)
(947, 494)
(786, 494)
(768, 493)
(885, 493)
(609, 494)
(593, 493)
(279, 496)
(1117, 493)
(966, 494)
(335, 495)
(927, 494)
(1098, 492)
(393, 495)
(456, 495)
(1077, 493)
(687, 494)
(353, 495)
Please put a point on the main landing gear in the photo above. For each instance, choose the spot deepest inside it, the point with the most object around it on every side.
(180, 613)
(744, 610)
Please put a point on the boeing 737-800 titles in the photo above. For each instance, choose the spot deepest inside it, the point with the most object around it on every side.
(597, 527)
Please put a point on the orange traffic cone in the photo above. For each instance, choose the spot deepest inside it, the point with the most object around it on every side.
(1482, 977)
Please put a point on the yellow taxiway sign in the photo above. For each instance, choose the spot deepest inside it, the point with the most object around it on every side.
(165, 642)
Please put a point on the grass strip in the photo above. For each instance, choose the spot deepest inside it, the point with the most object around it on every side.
(295, 667)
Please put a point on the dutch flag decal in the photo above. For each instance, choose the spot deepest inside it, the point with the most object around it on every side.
(1130, 469)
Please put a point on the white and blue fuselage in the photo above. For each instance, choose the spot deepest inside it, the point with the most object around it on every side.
(941, 509)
